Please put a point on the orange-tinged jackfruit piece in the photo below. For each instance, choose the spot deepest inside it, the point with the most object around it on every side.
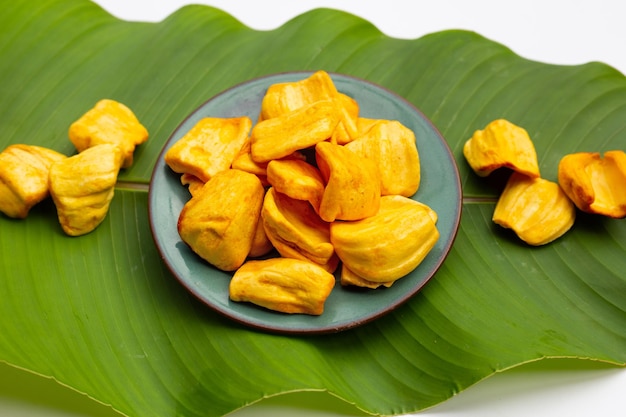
(536, 209)
(391, 147)
(347, 129)
(24, 177)
(387, 246)
(109, 122)
(261, 245)
(192, 182)
(297, 179)
(82, 187)
(352, 183)
(349, 278)
(219, 222)
(363, 124)
(283, 98)
(209, 147)
(295, 229)
(244, 161)
(286, 285)
(281, 136)
(596, 185)
(501, 145)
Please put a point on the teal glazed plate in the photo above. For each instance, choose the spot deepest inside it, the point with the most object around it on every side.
(345, 308)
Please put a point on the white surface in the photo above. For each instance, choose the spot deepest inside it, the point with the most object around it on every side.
(560, 32)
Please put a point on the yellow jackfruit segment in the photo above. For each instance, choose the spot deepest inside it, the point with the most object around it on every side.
(209, 147)
(283, 135)
(501, 145)
(261, 245)
(82, 187)
(364, 124)
(387, 246)
(24, 177)
(391, 147)
(352, 183)
(295, 230)
(297, 179)
(244, 162)
(537, 210)
(283, 98)
(193, 183)
(347, 129)
(109, 122)
(219, 222)
(596, 185)
(350, 279)
(286, 285)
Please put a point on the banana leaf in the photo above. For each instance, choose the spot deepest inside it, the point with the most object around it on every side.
(102, 314)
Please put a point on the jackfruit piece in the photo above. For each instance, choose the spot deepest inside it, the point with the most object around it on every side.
(387, 246)
(353, 183)
(281, 136)
(596, 185)
(501, 144)
(209, 147)
(24, 177)
(296, 231)
(82, 187)
(219, 222)
(286, 285)
(192, 182)
(349, 278)
(537, 210)
(109, 122)
(297, 179)
(261, 245)
(283, 98)
(391, 147)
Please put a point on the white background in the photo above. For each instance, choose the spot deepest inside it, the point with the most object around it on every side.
(560, 32)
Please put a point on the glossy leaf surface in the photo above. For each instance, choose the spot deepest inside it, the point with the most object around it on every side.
(103, 315)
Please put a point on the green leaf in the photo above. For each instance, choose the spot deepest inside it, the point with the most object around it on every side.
(102, 314)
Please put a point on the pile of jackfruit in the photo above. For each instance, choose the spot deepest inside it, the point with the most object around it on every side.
(310, 181)
(536, 209)
(82, 185)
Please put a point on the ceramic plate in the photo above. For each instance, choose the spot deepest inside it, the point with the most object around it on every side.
(345, 308)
